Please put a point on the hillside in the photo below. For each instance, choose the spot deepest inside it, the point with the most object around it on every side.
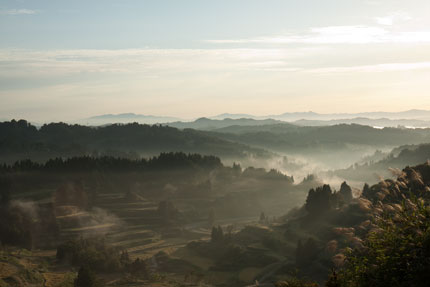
(386, 167)
(185, 240)
(148, 208)
(291, 135)
(333, 230)
(331, 147)
(19, 139)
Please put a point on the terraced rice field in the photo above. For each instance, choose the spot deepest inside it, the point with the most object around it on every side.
(131, 225)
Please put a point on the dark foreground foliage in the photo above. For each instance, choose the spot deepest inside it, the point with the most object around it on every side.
(102, 257)
(396, 248)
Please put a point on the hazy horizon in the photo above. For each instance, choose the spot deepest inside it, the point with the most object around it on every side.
(380, 114)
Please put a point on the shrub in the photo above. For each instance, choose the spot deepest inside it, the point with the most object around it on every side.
(397, 253)
(91, 252)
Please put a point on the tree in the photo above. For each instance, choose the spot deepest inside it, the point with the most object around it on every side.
(318, 201)
(217, 234)
(86, 278)
(124, 259)
(307, 252)
(5, 187)
(346, 192)
(367, 192)
(16, 227)
(139, 268)
(262, 217)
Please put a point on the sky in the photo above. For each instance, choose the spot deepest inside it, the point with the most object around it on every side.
(68, 60)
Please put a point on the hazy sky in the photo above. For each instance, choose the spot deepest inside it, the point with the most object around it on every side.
(66, 60)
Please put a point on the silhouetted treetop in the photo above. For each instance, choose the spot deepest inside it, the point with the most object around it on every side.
(165, 161)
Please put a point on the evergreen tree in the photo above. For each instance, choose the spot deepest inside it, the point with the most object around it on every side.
(217, 234)
(319, 200)
(367, 192)
(86, 278)
(346, 192)
(5, 187)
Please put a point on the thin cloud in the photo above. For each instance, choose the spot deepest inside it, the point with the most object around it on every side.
(146, 62)
(162, 62)
(387, 67)
(393, 18)
(358, 34)
(18, 12)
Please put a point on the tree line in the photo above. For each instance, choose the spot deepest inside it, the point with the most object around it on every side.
(169, 160)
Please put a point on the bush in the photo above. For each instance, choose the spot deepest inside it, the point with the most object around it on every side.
(91, 252)
(397, 253)
(295, 282)
(86, 278)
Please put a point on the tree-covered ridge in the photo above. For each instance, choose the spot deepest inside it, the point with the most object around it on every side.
(290, 138)
(60, 139)
(166, 161)
(398, 158)
(381, 238)
(395, 248)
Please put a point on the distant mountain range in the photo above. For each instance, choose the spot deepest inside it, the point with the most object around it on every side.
(413, 118)
(290, 117)
(213, 124)
(235, 116)
(382, 122)
(126, 118)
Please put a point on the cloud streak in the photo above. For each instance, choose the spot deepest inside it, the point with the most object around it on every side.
(153, 63)
(386, 67)
(358, 34)
(393, 18)
(13, 12)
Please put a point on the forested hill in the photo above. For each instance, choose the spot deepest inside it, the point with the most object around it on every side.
(289, 137)
(164, 161)
(19, 139)
(398, 158)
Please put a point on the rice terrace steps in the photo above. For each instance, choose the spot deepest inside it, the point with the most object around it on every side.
(133, 225)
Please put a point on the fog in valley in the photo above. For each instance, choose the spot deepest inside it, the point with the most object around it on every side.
(224, 143)
(198, 202)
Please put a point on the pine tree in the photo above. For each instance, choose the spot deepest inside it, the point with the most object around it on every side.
(346, 192)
